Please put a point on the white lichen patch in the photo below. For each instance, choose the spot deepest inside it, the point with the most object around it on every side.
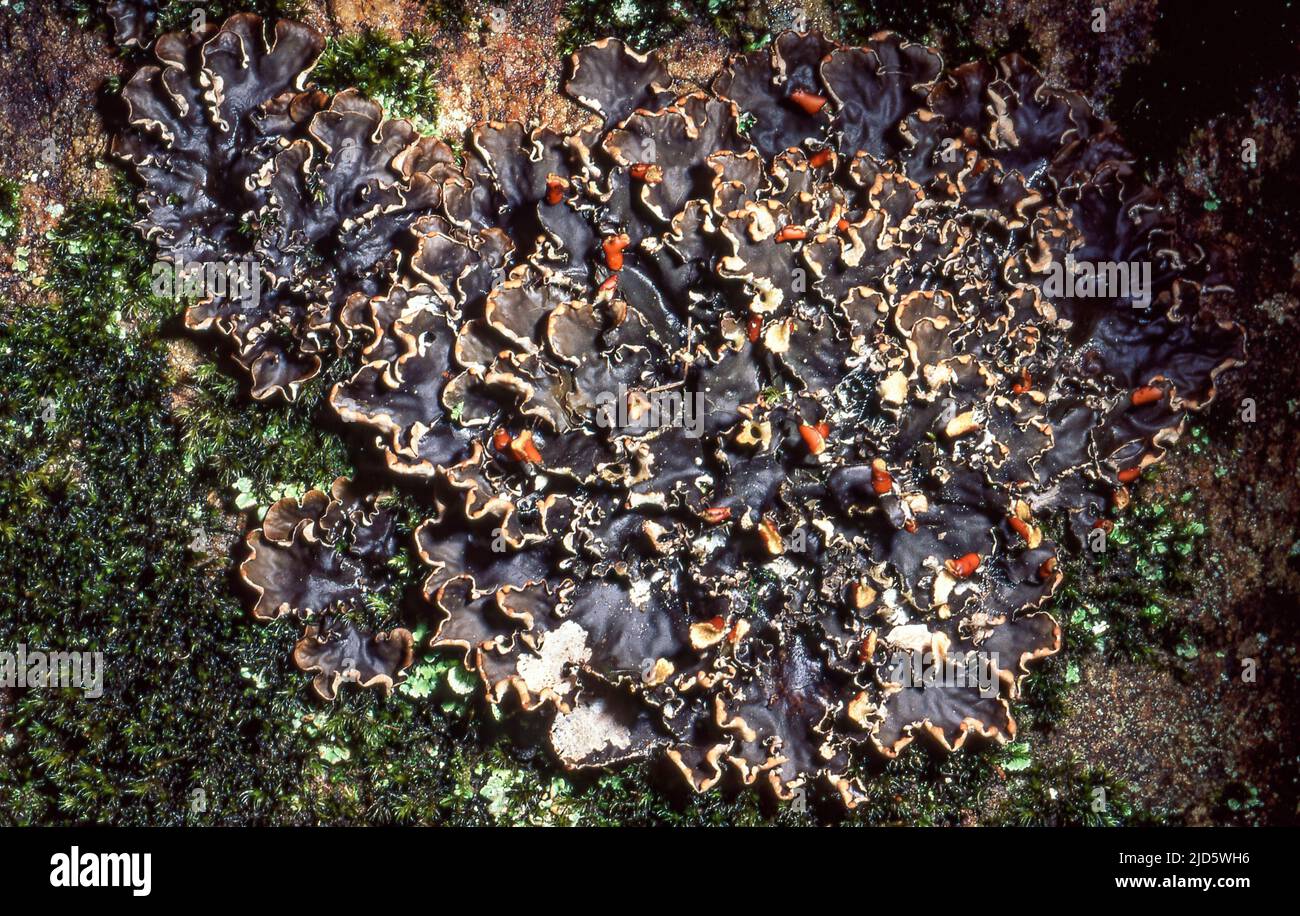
(563, 646)
(640, 593)
(589, 729)
(917, 637)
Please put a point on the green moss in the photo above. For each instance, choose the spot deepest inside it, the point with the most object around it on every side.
(174, 15)
(925, 788)
(452, 16)
(1066, 794)
(948, 26)
(1121, 602)
(399, 74)
(103, 483)
(646, 25)
(9, 201)
(1240, 804)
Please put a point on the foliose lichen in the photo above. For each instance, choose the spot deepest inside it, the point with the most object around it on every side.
(736, 408)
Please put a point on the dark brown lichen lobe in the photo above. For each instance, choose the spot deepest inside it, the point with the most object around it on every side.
(316, 559)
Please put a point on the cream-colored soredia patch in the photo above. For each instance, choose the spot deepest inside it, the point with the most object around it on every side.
(588, 730)
(566, 645)
(917, 637)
